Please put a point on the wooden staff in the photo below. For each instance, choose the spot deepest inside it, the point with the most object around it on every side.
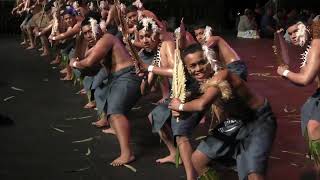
(178, 79)
(280, 49)
(124, 28)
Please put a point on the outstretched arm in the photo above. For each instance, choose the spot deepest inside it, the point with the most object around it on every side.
(73, 31)
(99, 51)
(311, 69)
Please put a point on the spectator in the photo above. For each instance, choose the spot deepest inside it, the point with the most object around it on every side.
(268, 24)
(247, 27)
(280, 18)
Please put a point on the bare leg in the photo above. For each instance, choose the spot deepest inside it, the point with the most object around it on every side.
(68, 76)
(121, 126)
(164, 86)
(45, 45)
(200, 162)
(30, 36)
(186, 154)
(167, 139)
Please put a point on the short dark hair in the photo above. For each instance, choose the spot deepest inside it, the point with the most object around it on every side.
(69, 10)
(195, 47)
(131, 8)
(91, 14)
(200, 25)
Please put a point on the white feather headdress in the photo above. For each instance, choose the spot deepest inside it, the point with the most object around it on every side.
(302, 33)
(210, 55)
(138, 4)
(147, 23)
(207, 32)
(94, 27)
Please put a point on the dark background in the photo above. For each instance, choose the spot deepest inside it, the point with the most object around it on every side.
(221, 14)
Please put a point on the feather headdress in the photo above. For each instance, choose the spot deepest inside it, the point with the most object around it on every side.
(210, 55)
(207, 32)
(94, 27)
(148, 24)
(179, 78)
(302, 33)
(138, 4)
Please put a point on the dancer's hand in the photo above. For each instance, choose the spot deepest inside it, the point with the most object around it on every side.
(281, 69)
(174, 104)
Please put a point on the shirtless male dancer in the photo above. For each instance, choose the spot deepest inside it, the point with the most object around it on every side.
(310, 69)
(245, 126)
(123, 89)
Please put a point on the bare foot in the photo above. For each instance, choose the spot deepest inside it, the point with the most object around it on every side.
(44, 54)
(122, 160)
(82, 91)
(30, 47)
(23, 43)
(66, 78)
(101, 123)
(40, 49)
(167, 159)
(63, 71)
(109, 131)
(55, 61)
(90, 105)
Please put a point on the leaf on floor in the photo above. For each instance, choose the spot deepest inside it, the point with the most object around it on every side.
(84, 140)
(45, 80)
(57, 129)
(293, 153)
(136, 108)
(17, 89)
(78, 118)
(54, 67)
(294, 164)
(77, 170)
(130, 167)
(287, 110)
(273, 157)
(200, 138)
(8, 98)
(294, 121)
(263, 75)
(269, 66)
(88, 152)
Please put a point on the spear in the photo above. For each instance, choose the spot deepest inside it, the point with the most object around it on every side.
(179, 79)
(124, 28)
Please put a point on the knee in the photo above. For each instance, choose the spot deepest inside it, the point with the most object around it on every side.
(181, 139)
(313, 129)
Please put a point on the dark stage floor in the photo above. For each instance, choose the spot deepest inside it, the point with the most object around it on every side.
(41, 145)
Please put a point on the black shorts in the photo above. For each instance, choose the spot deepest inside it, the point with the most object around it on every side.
(249, 143)
(121, 91)
(240, 68)
(310, 110)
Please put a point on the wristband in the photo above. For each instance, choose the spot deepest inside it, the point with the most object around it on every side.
(39, 33)
(150, 68)
(181, 107)
(285, 73)
(54, 38)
